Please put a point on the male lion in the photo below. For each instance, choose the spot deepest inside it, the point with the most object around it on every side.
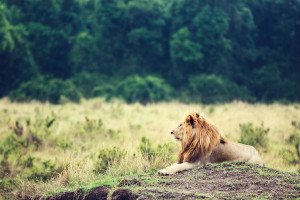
(202, 142)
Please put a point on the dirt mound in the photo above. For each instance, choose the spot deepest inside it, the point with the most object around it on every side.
(77, 195)
(224, 181)
(99, 193)
(123, 194)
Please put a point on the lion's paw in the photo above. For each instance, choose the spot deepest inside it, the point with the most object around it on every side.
(164, 172)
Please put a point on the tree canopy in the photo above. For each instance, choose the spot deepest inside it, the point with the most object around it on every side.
(203, 51)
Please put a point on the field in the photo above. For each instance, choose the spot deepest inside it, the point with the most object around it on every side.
(46, 149)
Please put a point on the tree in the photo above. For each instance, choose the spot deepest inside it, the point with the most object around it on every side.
(17, 63)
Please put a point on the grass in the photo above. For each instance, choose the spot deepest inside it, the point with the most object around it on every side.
(45, 149)
(297, 186)
(199, 195)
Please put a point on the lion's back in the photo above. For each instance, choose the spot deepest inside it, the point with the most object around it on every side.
(232, 151)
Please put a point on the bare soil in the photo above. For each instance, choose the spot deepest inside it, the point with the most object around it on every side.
(236, 180)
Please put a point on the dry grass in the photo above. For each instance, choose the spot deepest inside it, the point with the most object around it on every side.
(80, 131)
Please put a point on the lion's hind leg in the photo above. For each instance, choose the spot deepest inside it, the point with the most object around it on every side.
(257, 160)
(177, 168)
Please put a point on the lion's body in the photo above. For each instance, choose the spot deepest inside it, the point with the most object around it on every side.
(202, 142)
(232, 151)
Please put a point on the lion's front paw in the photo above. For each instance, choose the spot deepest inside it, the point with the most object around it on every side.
(164, 172)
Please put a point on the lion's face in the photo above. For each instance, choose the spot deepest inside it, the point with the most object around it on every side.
(178, 132)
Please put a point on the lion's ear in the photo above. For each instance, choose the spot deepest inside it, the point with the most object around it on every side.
(189, 120)
(197, 115)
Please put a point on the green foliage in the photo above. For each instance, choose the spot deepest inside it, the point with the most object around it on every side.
(96, 44)
(103, 91)
(183, 49)
(28, 162)
(64, 144)
(10, 145)
(92, 125)
(44, 173)
(146, 148)
(255, 136)
(43, 89)
(82, 57)
(7, 185)
(294, 140)
(211, 89)
(25, 138)
(268, 83)
(14, 148)
(164, 151)
(49, 123)
(10, 35)
(107, 158)
(296, 125)
(17, 62)
(86, 83)
(145, 90)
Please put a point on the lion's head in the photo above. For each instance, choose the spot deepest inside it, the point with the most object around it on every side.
(178, 132)
(198, 137)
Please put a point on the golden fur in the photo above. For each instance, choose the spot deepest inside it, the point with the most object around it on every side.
(202, 142)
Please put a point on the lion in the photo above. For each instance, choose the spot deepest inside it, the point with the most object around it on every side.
(202, 142)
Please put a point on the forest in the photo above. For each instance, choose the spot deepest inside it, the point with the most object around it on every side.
(145, 51)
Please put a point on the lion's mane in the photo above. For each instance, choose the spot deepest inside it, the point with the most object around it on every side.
(199, 139)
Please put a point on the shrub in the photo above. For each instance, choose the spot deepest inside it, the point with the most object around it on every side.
(10, 145)
(28, 162)
(102, 91)
(164, 151)
(294, 140)
(46, 172)
(255, 136)
(108, 157)
(43, 89)
(210, 89)
(144, 90)
(92, 125)
(146, 148)
(86, 83)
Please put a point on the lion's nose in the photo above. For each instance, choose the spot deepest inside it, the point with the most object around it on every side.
(171, 132)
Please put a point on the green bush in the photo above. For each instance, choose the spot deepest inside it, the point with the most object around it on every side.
(164, 151)
(9, 148)
(144, 90)
(46, 89)
(92, 125)
(294, 140)
(146, 148)
(27, 162)
(87, 83)
(7, 185)
(255, 136)
(210, 89)
(46, 172)
(103, 91)
(108, 157)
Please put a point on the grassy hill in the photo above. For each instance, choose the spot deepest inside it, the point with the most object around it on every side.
(235, 180)
(47, 149)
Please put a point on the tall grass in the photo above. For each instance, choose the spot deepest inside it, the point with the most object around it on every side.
(51, 148)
